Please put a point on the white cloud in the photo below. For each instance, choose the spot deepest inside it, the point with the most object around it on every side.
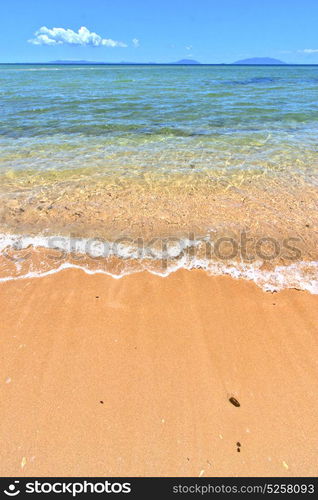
(188, 47)
(308, 51)
(59, 36)
(136, 42)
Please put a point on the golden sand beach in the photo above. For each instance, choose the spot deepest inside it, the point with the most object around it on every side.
(133, 377)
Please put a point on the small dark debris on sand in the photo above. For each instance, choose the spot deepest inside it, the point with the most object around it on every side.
(234, 402)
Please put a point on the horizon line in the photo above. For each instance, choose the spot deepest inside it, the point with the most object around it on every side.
(95, 63)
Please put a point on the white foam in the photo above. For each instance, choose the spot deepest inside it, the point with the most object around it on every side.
(97, 248)
(62, 267)
(301, 275)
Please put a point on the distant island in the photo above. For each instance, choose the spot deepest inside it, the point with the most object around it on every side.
(259, 60)
(66, 61)
(251, 61)
(187, 61)
(63, 61)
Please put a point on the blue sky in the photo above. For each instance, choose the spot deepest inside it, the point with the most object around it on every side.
(211, 31)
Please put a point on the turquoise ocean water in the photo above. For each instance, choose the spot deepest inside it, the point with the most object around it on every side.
(69, 116)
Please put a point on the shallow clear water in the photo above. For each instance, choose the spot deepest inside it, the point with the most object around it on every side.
(111, 151)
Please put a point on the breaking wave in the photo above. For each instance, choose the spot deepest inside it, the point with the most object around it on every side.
(26, 257)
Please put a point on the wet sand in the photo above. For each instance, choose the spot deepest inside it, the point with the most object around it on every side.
(131, 377)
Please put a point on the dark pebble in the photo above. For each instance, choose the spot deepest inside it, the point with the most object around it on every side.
(234, 402)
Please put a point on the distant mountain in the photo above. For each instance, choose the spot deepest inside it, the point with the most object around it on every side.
(65, 61)
(187, 61)
(259, 60)
(62, 61)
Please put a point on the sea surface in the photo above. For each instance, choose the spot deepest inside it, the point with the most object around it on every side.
(122, 168)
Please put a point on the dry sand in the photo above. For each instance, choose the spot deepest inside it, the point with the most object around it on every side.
(133, 377)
